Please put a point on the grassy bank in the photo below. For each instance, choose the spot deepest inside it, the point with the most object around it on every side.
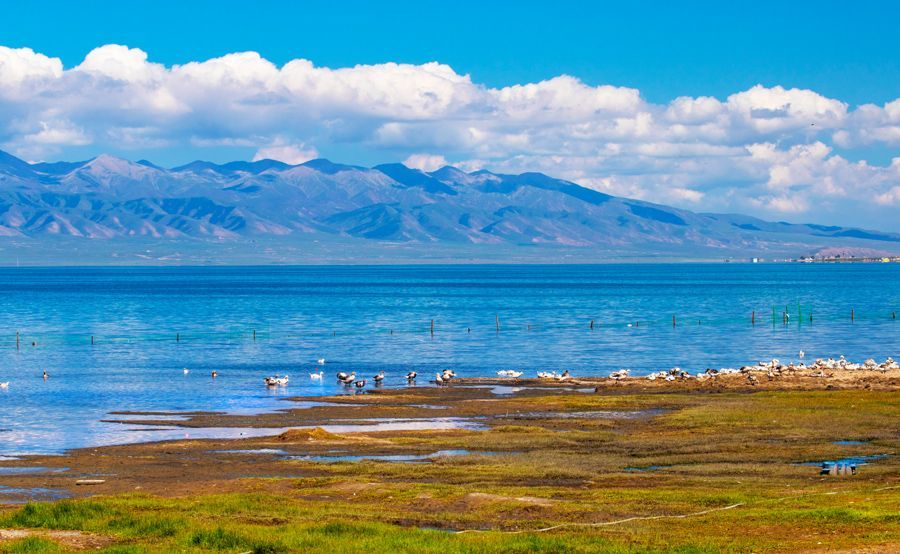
(683, 472)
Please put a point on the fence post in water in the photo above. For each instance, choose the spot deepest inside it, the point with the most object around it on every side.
(92, 339)
(753, 317)
(432, 327)
(17, 340)
(497, 321)
(254, 335)
(177, 337)
(673, 320)
(592, 325)
(893, 315)
(852, 315)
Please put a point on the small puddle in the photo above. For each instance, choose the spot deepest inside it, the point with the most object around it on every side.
(850, 443)
(30, 469)
(11, 495)
(257, 451)
(386, 457)
(645, 468)
(584, 415)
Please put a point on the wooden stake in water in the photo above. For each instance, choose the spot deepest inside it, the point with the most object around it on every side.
(432, 327)
(497, 321)
(753, 317)
(92, 339)
(852, 315)
(17, 340)
(177, 337)
(254, 335)
(673, 320)
(592, 325)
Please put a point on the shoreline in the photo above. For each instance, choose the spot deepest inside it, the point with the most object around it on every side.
(609, 452)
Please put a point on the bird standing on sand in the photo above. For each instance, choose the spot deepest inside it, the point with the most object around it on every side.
(439, 379)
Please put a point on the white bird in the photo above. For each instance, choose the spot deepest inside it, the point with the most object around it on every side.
(276, 381)
(4, 385)
(802, 354)
(321, 361)
(316, 376)
(438, 379)
(185, 371)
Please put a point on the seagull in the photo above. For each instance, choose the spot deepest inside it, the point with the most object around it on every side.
(321, 361)
(438, 379)
(316, 376)
(802, 354)
(185, 371)
(4, 386)
(379, 378)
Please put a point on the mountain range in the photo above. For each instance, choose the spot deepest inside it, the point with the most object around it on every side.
(109, 209)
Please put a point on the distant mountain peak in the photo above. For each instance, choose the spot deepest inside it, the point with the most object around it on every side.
(328, 203)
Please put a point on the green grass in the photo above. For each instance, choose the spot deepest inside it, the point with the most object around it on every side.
(723, 449)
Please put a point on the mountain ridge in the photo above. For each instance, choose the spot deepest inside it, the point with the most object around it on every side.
(112, 200)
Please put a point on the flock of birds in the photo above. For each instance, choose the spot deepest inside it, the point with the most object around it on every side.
(773, 368)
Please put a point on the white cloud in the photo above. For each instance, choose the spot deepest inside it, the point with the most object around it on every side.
(770, 150)
(425, 162)
(288, 153)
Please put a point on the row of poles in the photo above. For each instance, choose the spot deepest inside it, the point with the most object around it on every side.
(785, 319)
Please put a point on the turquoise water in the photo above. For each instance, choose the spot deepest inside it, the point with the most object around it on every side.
(379, 318)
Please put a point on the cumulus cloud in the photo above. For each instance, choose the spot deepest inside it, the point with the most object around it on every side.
(425, 162)
(288, 153)
(770, 149)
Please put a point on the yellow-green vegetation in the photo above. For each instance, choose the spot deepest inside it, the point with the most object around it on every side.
(691, 473)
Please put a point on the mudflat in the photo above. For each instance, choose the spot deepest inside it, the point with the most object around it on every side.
(630, 465)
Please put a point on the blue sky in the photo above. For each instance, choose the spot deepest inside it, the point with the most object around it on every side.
(843, 50)
(784, 109)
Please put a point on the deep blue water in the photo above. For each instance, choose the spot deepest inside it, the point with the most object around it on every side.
(346, 315)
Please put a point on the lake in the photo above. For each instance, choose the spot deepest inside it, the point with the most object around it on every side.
(148, 324)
